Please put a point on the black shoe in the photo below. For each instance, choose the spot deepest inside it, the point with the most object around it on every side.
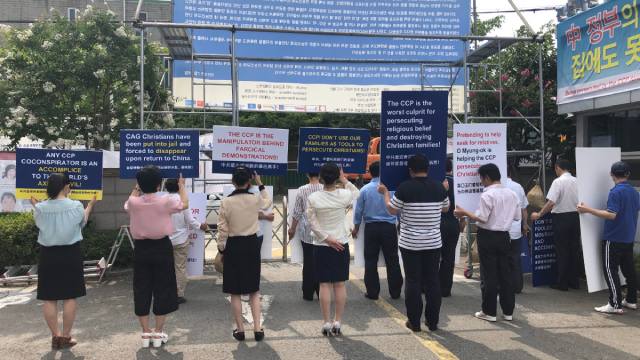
(431, 328)
(238, 335)
(395, 297)
(446, 295)
(370, 297)
(181, 300)
(306, 298)
(259, 335)
(411, 327)
(558, 287)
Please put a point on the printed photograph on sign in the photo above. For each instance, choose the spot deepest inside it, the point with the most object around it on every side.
(345, 147)
(175, 152)
(264, 151)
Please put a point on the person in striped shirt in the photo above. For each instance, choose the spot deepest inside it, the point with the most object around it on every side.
(299, 221)
(420, 202)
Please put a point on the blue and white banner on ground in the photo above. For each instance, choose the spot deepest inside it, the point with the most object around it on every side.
(261, 150)
(525, 255)
(34, 166)
(594, 182)
(175, 152)
(347, 148)
(544, 269)
(195, 258)
(475, 145)
(412, 122)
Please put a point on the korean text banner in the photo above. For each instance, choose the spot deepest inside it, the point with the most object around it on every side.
(175, 152)
(34, 166)
(599, 52)
(316, 86)
(345, 147)
(261, 150)
(475, 145)
(412, 122)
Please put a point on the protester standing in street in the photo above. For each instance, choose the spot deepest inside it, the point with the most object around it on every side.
(182, 223)
(239, 243)
(450, 227)
(420, 202)
(299, 221)
(621, 220)
(380, 233)
(518, 234)
(326, 214)
(60, 266)
(562, 200)
(154, 274)
(499, 208)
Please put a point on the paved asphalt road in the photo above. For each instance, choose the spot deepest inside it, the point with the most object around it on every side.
(548, 325)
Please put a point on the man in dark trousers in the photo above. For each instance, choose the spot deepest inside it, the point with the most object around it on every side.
(499, 208)
(450, 227)
(380, 233)
(621, 220)
(562, 200)
(420, 203)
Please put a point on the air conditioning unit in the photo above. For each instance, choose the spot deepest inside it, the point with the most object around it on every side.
(72, 14)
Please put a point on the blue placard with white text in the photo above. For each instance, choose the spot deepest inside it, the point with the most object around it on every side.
(345, 147)
(34, 166)
(543, 254)
(412, 122)
(175, 152)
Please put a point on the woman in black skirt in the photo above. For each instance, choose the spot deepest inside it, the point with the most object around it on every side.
(60, 268)
(326, 213)
(240, 246)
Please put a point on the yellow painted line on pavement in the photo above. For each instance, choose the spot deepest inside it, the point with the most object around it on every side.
(431, 344)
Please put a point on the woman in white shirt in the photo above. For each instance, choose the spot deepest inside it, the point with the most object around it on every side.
(326, 212)
(182, 223)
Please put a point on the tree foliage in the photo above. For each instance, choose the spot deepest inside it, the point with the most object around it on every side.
(76, 82)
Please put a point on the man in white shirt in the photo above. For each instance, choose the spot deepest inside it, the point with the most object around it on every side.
(518, 234)
(562, 202)
(499, 208)
(182, 223)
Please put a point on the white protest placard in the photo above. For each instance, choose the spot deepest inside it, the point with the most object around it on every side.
(265, 228)
(473, 146)
(195, 258)
(297, 256)
(593, 166)
(262, 150)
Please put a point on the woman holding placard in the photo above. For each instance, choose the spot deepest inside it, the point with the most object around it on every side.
(60, 267)
(239, 243)
(326, 213)
(154, 276)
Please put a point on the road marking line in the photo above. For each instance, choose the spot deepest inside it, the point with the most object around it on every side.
(431, 344)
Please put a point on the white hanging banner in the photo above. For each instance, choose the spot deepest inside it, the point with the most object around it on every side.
(195, 258)
(593, 167)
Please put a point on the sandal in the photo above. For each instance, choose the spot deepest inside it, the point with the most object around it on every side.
(326, 329)
(146, 339)
(55, 342)
(66, 342)
(160, 339)
(335, 328)
(238, 335)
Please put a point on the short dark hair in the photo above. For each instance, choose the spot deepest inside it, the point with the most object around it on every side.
(563, 164)
(56, 183)
(8, 195)
(149, 179)
(621, 170)
(374, 169)
(241, 176)
(329, 173)
(449, 165)
(490, 171)
(171, 185)
(7, 169)
(419, 163)
(313, 174)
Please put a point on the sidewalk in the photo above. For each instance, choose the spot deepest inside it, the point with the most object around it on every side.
(548, 325)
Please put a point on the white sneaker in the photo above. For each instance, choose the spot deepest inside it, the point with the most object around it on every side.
(483, 316)
(507, 317)
(629, 305)
(159, 339)
(608, 309)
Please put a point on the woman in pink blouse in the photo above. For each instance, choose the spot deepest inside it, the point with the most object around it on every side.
(154, 278)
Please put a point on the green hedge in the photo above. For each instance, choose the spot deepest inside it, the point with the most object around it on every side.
(19, 235)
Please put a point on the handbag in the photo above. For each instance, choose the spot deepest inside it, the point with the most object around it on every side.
(218, 263)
